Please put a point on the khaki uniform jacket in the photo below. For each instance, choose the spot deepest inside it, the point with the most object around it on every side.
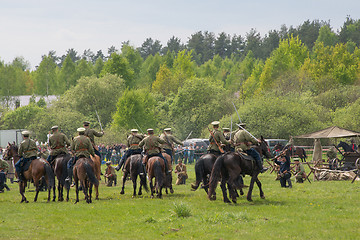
(181, 170)
(4, 165)
(91, 133)
(220, 139)
(134, 140)
(299, 171)
(151, 144)
(110, 172)
(82, 146)
(242, 139)
(58, 142)
(169, 141)
(28, 148)
(227, 137)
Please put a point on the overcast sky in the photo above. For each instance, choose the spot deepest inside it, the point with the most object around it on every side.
(31, 28)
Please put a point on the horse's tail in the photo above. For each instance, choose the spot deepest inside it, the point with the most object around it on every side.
(142, 174)
(50, 175)
(215, 175)
(90, 173)
(199, 172)
(158, 174)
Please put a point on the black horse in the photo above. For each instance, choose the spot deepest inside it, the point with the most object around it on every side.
(230, 166)
(203, 169)
(346, 147)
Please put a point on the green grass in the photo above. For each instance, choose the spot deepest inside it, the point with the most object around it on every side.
(321, 210)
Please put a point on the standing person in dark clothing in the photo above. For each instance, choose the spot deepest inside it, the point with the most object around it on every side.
(284, 162)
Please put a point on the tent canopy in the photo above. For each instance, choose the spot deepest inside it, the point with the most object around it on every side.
(331, 132)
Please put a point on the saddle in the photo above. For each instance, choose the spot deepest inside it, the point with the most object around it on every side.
(245, 156)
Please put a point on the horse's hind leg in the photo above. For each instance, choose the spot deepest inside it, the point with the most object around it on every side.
(36, 183)
(123, 185)
(260, 188)
(22, 186)
(77, 190)
(250, 189)
(90, 192)
(134, 178)
(224, 191)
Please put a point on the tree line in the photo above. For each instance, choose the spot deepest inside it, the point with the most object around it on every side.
(304, 79)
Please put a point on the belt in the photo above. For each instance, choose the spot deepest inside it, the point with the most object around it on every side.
(135, 144)
(30, 150)
(237, 144)
(82, 149)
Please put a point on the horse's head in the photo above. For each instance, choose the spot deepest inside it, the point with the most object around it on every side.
(10, 151)
(264, 148)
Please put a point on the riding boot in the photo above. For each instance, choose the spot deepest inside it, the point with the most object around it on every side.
(70, 173)
(118, 167)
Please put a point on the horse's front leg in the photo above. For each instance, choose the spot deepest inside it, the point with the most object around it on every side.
(77, 190)
(90, 192)
(250, 189)
(36, 183)
(22, 186)
(134, 179)
(260, 188)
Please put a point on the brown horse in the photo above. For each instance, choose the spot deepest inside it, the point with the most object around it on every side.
(156, 169)
(168, 176)
(84, 171)
(60, 169)
(37, 169)
(230, 166)
(293, 151)
(97, 162)
(134, 167)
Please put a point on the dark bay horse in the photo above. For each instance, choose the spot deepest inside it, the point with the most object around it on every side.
(134, 167)
(293, 151)
(168, 176)
(230, 166)
(61, 172)
(97, 161)
(84, 171)
(37, 169)
(156, 169)
(203, 168)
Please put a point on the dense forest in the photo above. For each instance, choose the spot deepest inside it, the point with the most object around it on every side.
(290, 81)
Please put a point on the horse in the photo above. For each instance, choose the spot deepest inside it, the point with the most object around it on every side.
(97, 161)
(61, 172)
(134, 167)
(37, 169)
(230, 166)
(203, 169)
(293, 151)
(84, 171)
(156, 169)
(168, 176)
(346, 147)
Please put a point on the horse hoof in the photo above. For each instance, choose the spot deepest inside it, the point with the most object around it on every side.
(96, 198)
(249, 199)
(133, 196)
(171, 190)
(139, 193)
(122, 192)
(262, 197)
(227, 201)
(212, 198)
(152, 197)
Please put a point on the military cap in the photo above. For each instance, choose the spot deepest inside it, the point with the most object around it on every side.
(296, 160)
(54, 127)
(134, 130)
(108, 163)
(215, 123)
(81, 129)
(226, 129)
(167, 129)
(25, 133)
(150, 130)
(86, 123)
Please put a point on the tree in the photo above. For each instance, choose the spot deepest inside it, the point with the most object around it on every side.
(350, 31)
(119, 65)
(173, 45)
(20, 117)
(198, 103)
(45, 78)
(223, 45)
(149, 69)
(149, 47)
(67, 75)
(253, 43)
(83, 69)
(135, 108)
(164, 81)
(134, 59)
(326, 36)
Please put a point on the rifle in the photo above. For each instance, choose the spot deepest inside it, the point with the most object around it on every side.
(188, 136)
(212, 134)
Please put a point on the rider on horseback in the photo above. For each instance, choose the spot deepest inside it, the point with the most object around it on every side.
(216, 138)
(133, 147)
(57, 142)
(242, 140)
(152, 148)
(169, 141)
(27, 152)
(81, 147)
(91, 133)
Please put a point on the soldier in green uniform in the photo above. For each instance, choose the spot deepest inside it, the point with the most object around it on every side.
(219, 139)
(57, 142)
(91, 133)
(227, 135)
(169, 141)
(299, 171)
(81, 146)
(151, 145)
(133, 147)
(4, 166)
(27, 152)
(242, 142)
(110, 174)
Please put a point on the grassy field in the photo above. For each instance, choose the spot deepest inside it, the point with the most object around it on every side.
(321, 210)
